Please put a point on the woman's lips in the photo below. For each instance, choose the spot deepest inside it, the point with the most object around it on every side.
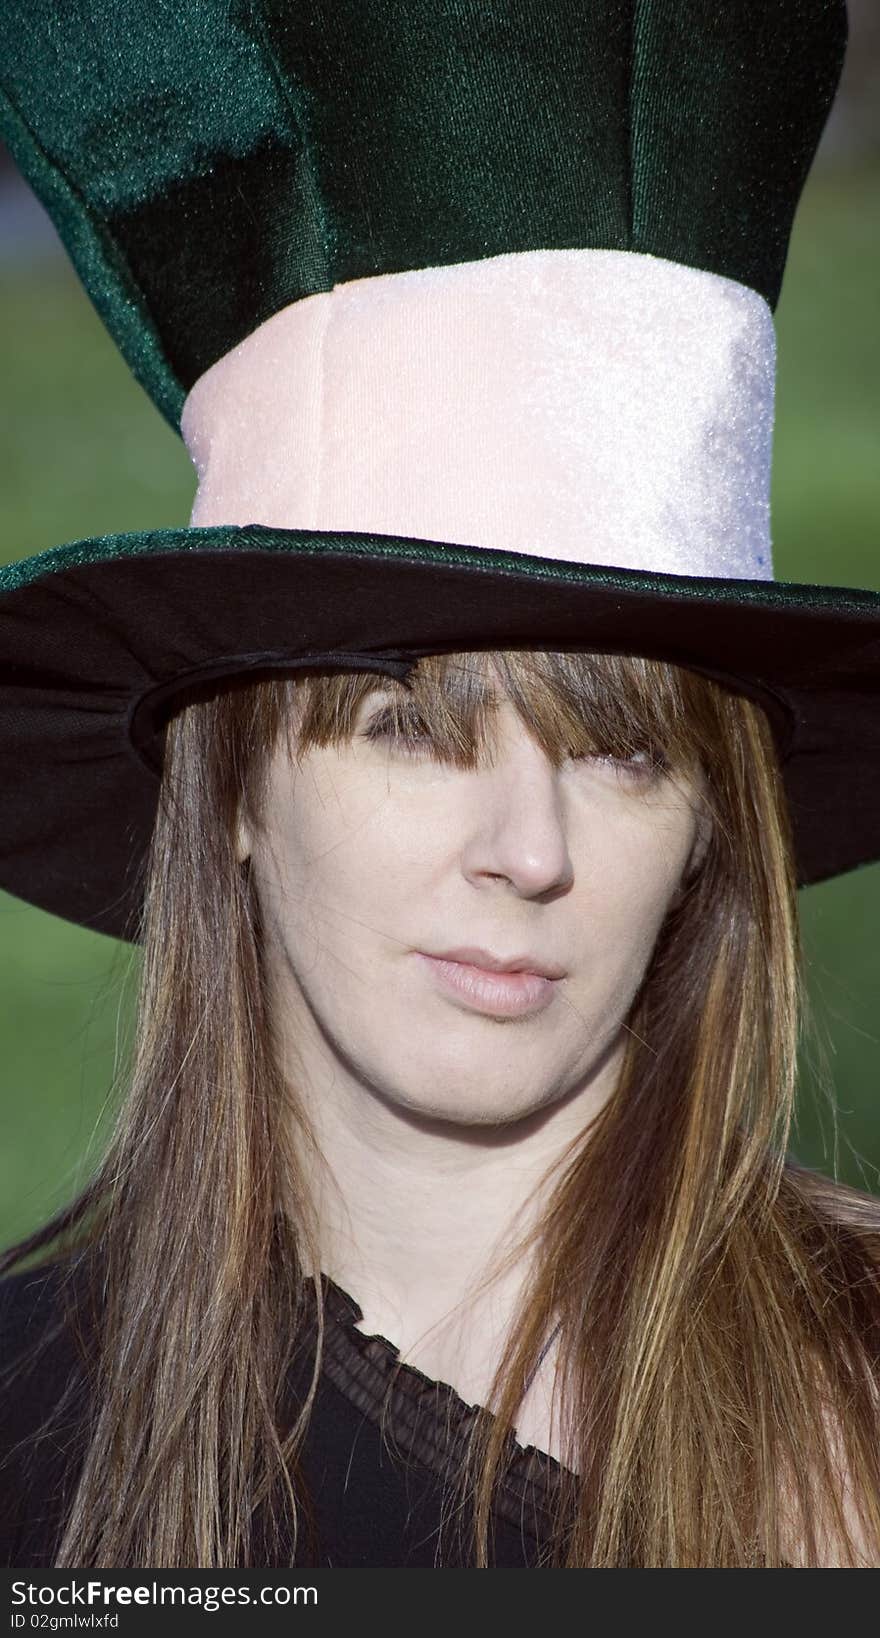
(509, 995)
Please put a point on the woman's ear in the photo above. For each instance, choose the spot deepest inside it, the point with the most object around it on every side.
(243, 844)
(699, 849)
(702, 838)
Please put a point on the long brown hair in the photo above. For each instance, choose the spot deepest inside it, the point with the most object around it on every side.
(719, 1307)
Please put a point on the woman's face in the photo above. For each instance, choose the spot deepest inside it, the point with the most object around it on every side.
(374, 860)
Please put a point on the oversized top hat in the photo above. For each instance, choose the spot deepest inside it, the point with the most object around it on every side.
(464, 311)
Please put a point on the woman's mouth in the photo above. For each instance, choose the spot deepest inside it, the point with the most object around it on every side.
(501, 994)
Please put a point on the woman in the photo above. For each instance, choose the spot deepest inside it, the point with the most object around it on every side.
(392, 1261)
(320, 1092)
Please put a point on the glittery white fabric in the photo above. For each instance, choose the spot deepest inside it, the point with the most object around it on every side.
(596, 405)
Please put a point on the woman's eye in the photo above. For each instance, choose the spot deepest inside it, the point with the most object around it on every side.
(408, 734)
(642, 767)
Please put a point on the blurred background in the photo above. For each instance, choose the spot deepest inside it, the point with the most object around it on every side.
(83, 452)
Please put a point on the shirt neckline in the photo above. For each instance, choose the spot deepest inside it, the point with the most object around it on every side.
(426, 1420)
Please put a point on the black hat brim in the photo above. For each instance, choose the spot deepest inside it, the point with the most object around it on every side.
(100, 639)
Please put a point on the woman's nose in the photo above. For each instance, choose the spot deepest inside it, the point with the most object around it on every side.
(518, 827)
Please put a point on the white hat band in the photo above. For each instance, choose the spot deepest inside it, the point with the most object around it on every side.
(600, 406)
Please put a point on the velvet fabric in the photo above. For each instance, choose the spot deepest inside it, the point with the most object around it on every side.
(208, 162)
(599, 406)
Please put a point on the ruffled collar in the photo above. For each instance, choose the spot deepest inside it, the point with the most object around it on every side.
(425, 1420)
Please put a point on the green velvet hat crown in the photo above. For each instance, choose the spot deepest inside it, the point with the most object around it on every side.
(465, 314)
(206, 164)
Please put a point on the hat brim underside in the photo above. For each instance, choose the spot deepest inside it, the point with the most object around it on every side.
(100, 639)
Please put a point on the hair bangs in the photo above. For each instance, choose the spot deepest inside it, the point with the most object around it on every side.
(573, 704)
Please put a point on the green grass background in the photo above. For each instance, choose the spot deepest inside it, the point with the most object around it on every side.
(83, 452)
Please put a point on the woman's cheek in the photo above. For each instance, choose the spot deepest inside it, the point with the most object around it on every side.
(628, 903)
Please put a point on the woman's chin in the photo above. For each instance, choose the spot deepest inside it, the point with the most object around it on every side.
(474, 1107)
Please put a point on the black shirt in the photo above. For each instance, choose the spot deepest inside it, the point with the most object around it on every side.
(382, 1442)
